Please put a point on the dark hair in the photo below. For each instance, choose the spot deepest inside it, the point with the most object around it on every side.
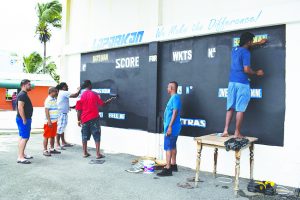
(24, 82)
(86, 84)
(175, 83)
(51, 89)
(61, 85)
(245, 38)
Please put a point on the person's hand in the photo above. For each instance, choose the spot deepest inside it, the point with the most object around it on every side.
(50, 124)
(260, 72)
(79, 123)
(263, 41)
(169, 131)
(24, 121)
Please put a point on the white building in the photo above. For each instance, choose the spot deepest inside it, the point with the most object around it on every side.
(10, 62)
(88, 23)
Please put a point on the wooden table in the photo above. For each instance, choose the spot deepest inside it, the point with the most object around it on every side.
(218, 142)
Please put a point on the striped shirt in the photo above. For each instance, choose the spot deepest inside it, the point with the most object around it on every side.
(51, 104)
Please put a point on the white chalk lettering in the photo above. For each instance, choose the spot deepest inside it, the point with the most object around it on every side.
(193, 122)
(129, 62)
(185, 55)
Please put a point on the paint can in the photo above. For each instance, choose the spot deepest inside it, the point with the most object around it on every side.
(148, 166)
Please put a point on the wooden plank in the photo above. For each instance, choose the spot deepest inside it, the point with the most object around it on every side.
(214, 140)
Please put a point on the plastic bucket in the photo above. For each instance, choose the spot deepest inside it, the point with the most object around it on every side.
(148, 166)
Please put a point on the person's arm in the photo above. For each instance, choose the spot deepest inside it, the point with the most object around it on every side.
(48, 117)
(247, 68)
(78, 108)
(174, 115)
(21, 105)
(74, 95)
(100, 102)
(79, 117)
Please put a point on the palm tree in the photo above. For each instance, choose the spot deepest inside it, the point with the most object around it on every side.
(49, 15)
(34, 64)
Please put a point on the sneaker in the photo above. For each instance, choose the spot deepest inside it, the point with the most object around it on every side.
(46, 153)
(54, 151)
(174, 168)
(165, 172)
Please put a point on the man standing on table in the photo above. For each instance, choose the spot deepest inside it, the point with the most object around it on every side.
(63, 109)
(24, 114)
(239, 92)
(172, 127)
(88, 118)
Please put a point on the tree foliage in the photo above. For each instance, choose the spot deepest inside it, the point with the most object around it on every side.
(49, 15)
(34, 64)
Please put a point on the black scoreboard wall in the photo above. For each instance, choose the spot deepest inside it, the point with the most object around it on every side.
(124, 72)
(201, 66)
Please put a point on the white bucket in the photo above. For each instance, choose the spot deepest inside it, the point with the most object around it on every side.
(148, 166)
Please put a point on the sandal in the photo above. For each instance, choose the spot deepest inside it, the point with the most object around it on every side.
(28, 157)
(46, 153)
(86, 155)
(23, 161)
(68, 145)
(101, 156)
(60, 148)
(54, 151)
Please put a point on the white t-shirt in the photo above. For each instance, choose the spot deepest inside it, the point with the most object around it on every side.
(63, 101)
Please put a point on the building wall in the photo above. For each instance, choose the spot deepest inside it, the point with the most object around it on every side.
(4, 105)
(109, 17)
(37, 95)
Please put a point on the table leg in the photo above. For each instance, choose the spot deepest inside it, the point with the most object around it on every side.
(237, 171)
(198, 160)
(251, 148)
(215, 162)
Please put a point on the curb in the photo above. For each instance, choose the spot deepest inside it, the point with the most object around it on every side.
(16, 131)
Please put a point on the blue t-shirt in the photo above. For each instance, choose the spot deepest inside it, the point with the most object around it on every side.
(240, 57)
(174, 103)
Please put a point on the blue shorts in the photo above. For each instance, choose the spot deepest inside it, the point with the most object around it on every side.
(89, 128)
(170, 142)
(238, 96)
(24, 130)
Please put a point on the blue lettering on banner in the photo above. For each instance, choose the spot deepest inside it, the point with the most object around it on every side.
(101, 114)
(255, 93)
(223, 22)
(102, 91)
(193, 122)
(119, 40)
(120, 116)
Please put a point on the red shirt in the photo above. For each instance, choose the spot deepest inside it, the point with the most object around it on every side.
(89, 104)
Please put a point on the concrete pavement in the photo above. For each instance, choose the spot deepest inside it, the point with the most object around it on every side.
(69, 176)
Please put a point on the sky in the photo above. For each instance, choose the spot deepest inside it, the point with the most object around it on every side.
(17, 29)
